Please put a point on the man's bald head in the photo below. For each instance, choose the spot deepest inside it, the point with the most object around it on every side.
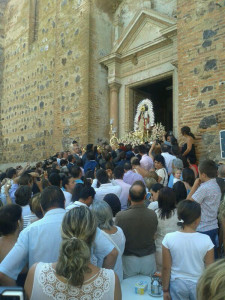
(137, 191)
(221, 171)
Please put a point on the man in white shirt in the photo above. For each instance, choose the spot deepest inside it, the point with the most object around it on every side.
(68, 185)
(118, 175)
(168, 158)
(106, 187)
(146, 161)
(40, 241)
(86, 198)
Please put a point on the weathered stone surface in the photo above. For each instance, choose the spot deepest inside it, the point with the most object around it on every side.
(213, 102)
(200, 104)
(207, 89)
(207, 34)
(211, 65)
(207, 122)
(206, 44)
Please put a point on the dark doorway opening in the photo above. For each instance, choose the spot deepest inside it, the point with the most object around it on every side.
(161, 95)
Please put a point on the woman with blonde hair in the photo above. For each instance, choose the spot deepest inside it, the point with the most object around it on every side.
(73, 276)
(211, 285)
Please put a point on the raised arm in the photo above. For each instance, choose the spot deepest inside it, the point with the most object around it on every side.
(196, 185)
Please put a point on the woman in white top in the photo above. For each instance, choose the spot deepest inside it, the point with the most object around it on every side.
(73, 276)
(160, 169)
(185, 254)
(115, 234)
(167, 220)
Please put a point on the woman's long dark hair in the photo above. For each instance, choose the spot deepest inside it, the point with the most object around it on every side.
(167, 202)
(186, 130)
(188, 176)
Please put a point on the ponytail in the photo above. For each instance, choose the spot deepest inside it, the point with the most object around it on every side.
(78, 232)
(73, 261)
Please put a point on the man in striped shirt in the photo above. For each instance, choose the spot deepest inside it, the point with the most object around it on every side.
(207, 193)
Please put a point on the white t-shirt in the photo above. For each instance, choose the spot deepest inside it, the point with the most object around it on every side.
(68, 197)
(154, 205)
(163, 174)
(119, 240)
(188, 251)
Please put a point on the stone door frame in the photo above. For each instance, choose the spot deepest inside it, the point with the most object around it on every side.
(137, 59)
(126, 122)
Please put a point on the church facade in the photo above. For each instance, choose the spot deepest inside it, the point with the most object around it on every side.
(68, 67)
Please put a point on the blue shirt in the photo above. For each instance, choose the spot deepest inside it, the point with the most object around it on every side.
(40, 241)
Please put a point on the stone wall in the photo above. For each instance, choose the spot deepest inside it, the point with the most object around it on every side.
(3, 4)
(46, 78)
(201, 71)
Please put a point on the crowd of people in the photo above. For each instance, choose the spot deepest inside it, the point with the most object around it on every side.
(77, 224)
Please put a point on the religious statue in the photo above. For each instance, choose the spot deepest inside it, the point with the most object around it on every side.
(144, 118)
(145, 129)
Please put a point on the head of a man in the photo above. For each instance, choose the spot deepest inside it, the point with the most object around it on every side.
(142, 149)
(137, 192)
(11, 173)
(118, 172)
(71, 158)
(52, 197)
(87, 195)
(127, 167)
(135, 162)
(165, 148)
(76, 172)
(55, 179)
(76, 148)
(65, 155)
(23, 195)
(68, 184)
(207, 170)
(89, 147)
(26, 179)
(102, 176)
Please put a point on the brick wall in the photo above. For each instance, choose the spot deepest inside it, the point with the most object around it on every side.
(201, 71)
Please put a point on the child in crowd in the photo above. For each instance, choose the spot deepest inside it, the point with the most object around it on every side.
(177, 175)
(184, 254)
(154, 191)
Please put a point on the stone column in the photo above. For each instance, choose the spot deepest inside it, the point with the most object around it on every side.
(114, 104)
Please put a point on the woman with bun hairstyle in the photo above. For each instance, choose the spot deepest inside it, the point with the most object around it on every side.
(188, 149)
(73, 276)
(185, 254)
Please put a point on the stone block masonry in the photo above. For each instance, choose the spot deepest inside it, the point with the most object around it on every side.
(45, 95)
(201, 71)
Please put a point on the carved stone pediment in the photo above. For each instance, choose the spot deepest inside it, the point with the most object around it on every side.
(147, 28)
